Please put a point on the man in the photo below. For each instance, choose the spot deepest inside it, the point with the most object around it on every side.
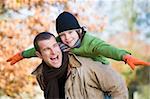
(87, 79)
(53, 71)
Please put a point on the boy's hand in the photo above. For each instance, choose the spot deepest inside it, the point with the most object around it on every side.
(132, 61)
(16, 58)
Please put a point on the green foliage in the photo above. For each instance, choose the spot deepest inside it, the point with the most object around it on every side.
(1, 92)
(143, 92)
(148, 35)
(139, 83)
(143, 75)
(130, 14)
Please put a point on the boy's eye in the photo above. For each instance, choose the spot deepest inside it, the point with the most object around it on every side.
(61, 35)
(70, 32)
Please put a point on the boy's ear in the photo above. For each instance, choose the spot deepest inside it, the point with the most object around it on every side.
(80, 30)
(38, 54)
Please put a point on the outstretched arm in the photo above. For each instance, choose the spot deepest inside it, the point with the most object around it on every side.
(99, 47)
(21, 55)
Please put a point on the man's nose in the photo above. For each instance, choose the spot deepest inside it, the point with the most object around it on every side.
(53, 51)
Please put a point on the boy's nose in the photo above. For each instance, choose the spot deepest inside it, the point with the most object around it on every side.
(67, 36)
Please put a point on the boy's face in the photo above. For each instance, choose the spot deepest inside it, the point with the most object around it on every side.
(69, 37)
(50, 52)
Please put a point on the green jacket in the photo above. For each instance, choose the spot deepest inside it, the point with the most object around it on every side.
(92, 47)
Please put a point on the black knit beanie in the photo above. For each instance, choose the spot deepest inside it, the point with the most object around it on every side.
(66, 21)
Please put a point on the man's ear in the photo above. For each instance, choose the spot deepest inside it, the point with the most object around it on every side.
(38, 54)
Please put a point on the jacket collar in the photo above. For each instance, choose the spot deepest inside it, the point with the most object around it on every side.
(38, 70)
(73, 60)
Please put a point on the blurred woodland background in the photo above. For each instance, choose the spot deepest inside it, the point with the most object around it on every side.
(123, 23)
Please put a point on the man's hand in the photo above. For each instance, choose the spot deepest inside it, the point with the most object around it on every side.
(16, 58)
(132, 61)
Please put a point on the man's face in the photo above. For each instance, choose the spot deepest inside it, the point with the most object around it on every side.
(69, 37)
(50, 52)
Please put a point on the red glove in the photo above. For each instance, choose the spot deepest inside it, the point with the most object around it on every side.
(16, 58)
(132, 61)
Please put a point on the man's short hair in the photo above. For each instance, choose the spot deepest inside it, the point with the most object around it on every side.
(41, 36)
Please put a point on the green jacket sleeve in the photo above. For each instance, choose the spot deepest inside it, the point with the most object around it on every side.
(98, 50)
(31, 52)
(108, 51)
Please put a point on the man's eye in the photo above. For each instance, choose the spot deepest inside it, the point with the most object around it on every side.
(55, 45)
(46, 49)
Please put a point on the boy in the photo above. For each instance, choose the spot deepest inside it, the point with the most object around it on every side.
(81, 43)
